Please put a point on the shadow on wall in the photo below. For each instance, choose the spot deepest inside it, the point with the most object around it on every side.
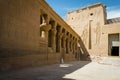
(84, 54)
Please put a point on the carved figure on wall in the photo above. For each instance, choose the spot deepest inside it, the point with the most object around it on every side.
(84, 35)
(98, 33)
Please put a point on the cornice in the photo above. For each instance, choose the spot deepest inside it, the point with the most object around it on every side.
(56, 17)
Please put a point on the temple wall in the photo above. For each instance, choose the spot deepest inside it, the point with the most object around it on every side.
(91, 24)
(32, 34)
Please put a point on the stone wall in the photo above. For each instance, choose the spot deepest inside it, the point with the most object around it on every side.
(28, 35)
(91, 24)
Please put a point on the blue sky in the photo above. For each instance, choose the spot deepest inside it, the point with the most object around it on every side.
(64, 6)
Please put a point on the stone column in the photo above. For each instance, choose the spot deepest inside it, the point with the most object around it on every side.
(48, 19)
(70, 42)
(45, 28)
(54, 39)
(77, 48)
(64, 41)
(45, 19)
(75, 45)
(64, 48)
(72, 45)
(68, 45)
(59, 41)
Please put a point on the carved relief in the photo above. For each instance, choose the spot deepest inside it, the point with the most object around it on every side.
(98, 33)
(84, 35)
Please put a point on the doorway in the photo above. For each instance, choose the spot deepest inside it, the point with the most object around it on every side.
(115, 51)
(113, 44)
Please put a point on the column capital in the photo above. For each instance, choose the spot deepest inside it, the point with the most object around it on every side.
(64, 36)
(54, 31)
(68, 39)
(54, 27)
(45, 27)
(60, 35)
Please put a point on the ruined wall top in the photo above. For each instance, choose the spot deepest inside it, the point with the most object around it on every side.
(96, 12)
(89, 7)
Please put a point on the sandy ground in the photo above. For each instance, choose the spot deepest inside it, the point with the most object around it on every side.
(79, 70)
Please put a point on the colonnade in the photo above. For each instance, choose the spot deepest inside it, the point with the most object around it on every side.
(57, 37)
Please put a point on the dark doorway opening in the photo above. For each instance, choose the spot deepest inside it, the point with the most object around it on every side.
(115, 51)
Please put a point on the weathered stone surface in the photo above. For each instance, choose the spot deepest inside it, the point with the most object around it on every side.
(91, 24)
(77, 70)
(29, 31)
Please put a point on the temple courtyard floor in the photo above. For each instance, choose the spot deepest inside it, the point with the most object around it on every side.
(106, 69)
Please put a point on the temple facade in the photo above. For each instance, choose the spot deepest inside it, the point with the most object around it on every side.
(101, 36)
(32, 34)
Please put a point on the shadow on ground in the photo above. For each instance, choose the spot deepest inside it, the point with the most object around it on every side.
(51, 72)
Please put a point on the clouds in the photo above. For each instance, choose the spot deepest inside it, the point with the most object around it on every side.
(113, 12)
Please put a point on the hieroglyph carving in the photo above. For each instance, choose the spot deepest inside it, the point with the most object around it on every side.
(98, 33)
(84, 35)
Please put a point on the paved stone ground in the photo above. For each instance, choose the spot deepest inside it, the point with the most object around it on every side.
(79, 70)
